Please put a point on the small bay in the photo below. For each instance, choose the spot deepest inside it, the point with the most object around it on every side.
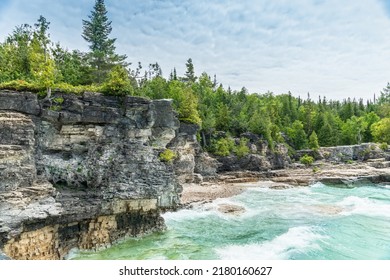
(320, 222)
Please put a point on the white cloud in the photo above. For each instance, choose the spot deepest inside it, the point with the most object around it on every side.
(332, 48)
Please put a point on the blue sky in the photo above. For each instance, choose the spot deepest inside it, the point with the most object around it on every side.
(335, 48)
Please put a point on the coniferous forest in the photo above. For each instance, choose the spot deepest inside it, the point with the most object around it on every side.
(30, 61)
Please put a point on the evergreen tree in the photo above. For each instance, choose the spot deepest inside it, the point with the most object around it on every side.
(313, 141)
(72, 67)
(385, 95)
(369, 119)
(189, 76)
(325, 135)
(222, 117)
(42, 65)
(330, 133)
(41, 34)
(185, 101)
(96, 32)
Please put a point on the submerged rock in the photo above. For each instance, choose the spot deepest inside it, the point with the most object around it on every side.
(326, 209)
(231, 209)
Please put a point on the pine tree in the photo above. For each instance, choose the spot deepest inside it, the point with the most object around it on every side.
(41, 35)
(42, 65)
(190, 74)
(96, 32)
(385, 95)
(313, 141)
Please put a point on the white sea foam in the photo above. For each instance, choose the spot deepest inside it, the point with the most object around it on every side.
(295, 240)
(318, 185)
(186, 214)
(364, 206)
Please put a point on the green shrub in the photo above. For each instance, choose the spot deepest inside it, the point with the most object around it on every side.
(222, 147)
(167, 156)
(306, 160)
(118, 82)
(78, 90)
(350, 161)
(242, 149)
(384, 146)
(55, 108)
(58, 100)
(381, 130)
(21, 85)
(316, 169)
(326, 155)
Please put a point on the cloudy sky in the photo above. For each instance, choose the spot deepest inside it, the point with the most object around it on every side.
(335, 48)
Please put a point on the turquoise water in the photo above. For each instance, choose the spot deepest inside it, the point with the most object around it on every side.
(317, 222)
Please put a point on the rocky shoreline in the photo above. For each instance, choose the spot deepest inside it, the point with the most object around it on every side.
(234, 183)
(85, 171)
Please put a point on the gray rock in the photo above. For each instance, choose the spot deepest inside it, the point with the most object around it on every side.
(263, 160)
(95, 150)
(186, 147)
(23, 102)
(361, 152)
(206, 165)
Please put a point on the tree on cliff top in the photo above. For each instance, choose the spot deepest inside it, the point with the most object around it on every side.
(190, 73)
(96, 32)
(42, 64)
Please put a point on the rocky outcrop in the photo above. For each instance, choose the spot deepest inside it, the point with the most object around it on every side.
(260, 158)
(82, 171)
(342, 154)
(349, 175)
(186, 147)
(360, 152)
(205, 165)
(52, 238)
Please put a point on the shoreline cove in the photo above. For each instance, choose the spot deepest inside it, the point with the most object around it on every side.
(314, 222)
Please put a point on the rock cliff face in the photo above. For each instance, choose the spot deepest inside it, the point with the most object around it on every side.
(260, 157)
(342, 154)
(82, 171)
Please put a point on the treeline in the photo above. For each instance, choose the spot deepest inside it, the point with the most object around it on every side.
(301, 123)
(29, 60)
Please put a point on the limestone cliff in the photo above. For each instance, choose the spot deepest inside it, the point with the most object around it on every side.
(82, 171)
